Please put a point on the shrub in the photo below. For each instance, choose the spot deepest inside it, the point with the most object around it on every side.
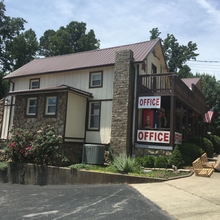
(3, 165)
(146, 161)
(140, 161)
(216, 143)
(45, 146)
(176, 158)
(190, 152)
(204, 143)
(149, 161)
(19, 146)
(125, 164)
(161, 162)
(40, 147)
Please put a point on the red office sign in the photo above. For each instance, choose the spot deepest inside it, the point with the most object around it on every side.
(149, 102)
(153, 136)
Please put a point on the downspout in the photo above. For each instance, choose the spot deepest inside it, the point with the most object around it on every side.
(136, 73)
(11, 104)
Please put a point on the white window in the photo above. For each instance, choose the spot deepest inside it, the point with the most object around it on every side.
(32, 106)
(34, 83)
(94, 115)
(95, 79)
(51, 105)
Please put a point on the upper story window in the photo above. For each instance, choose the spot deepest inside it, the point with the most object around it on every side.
(34, 83)
(94, 115)
(95, 79)
(153, 69)
(31, 106)
(51, 105)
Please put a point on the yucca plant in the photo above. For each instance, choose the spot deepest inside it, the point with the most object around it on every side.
(125, 164)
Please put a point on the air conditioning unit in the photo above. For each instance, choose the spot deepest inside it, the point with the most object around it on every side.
(93, 154)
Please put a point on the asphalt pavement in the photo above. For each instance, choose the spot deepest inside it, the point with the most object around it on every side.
(79, 202)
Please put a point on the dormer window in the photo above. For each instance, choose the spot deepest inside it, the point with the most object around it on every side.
(34, 83)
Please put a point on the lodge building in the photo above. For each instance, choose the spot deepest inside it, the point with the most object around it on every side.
(121, 97)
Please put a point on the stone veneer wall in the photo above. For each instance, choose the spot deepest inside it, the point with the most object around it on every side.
(72, 151)
(141, 152)
(122, 104)
(58, 122)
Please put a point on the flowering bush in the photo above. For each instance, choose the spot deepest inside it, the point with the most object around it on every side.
(40, 147)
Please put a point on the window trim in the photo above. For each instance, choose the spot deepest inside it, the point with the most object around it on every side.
(27, 114)
(90, 79)
(34, 80)
(89, 116)
(46, 114)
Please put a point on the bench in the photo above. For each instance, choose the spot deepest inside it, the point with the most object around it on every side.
(200, 170)
(208, 162)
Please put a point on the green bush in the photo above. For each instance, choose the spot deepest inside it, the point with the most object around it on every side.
(216, 143)
(190, 152)
(176, 158)
(146, 161)
(204, 143)
(140, 161)
(125, 164)
(149, 161)
(40, 147)
(3, 165)
(161, 162)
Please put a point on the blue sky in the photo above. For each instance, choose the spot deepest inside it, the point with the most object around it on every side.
(120, 22)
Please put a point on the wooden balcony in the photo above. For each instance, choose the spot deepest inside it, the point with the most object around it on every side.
(169, 84)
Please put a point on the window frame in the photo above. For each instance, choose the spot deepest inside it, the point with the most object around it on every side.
(34, 80)
(90, 115)
(27, 113)
(46, 113)
(91, 74)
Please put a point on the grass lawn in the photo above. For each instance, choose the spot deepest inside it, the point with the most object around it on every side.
(163, 173)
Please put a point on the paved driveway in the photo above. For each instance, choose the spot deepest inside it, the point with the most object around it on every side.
(191, 198)
(76, 202)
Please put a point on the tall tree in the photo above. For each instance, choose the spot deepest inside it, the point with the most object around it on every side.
(69, 39)
(176, 55)
(155, 33)
(9, 28)
(211, 91)
(22, 49)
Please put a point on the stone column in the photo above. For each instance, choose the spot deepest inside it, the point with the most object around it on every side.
(122, 104)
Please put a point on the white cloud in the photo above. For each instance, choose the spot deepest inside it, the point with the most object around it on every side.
(122, 22)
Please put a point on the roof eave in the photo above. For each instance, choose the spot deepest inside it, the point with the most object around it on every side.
(51, 72)
(49, 90)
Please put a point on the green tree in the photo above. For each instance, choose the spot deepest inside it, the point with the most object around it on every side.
(9, 29)
(155, 33)
(211, 91)
(3, 86)
(22, 49)
(176, 55)
(70, 39)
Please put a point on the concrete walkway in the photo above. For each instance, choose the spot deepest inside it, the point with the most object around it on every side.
(186, 198)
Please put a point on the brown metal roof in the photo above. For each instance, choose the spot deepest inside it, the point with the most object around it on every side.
(190, 81)
(88, 59)
(60, 88)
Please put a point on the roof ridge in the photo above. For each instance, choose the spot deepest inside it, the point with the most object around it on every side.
(95, 50)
